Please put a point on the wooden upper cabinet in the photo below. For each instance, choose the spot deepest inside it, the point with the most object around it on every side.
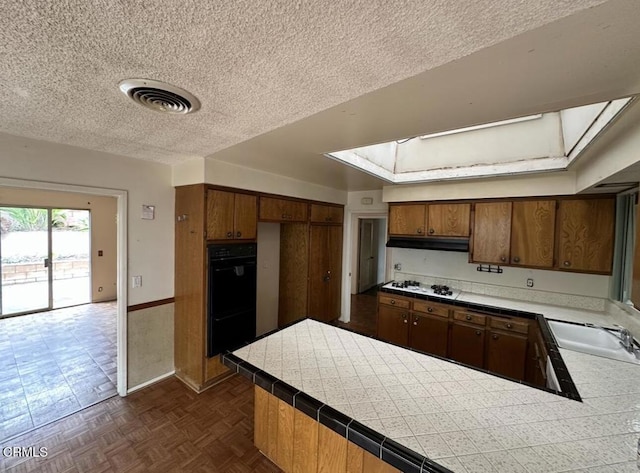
(492, 233)
(231, 216)
(585, 235)
(448, 219)
(326, 214)
(407, 219)
(532, 233)
(283, 210)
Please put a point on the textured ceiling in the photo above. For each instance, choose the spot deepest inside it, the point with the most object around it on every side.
(271, 75)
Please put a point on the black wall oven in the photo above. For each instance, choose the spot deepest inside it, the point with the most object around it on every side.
(231, 296)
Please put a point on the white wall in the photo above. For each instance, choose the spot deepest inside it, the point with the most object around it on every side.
(268, 277)
(150, 242)
(537, 138)
(455, 265)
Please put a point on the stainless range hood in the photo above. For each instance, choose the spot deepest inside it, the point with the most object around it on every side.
(441, 244)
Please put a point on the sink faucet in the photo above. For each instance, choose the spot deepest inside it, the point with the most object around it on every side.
(626, 339)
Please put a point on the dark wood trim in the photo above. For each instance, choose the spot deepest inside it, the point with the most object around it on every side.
(147, 305)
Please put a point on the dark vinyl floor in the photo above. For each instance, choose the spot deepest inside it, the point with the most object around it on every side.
(55, 363)
(163, 428)
(363, 313)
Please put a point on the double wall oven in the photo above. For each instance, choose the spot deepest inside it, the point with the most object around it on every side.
(231, 296)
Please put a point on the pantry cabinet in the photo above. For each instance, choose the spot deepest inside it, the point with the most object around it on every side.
(532, 233)
(491, 233)
(585, 235)
(325, 270)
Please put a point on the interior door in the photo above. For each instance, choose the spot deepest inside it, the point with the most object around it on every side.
(325, 269)
(367, 263)
(25, 258)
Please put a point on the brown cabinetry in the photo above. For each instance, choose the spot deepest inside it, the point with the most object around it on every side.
(532, 233)
(491, 233)
(585, 236)
(466, 343)
(326, 214)
(231, 215)
(283, 210)
(407, 219)
(448, 220)
(393, 324)
(429, 333)
(507, 353)
(325, 268)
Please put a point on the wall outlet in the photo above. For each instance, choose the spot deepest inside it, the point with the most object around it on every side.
(397, 267)
(529, 282)
(136, 281)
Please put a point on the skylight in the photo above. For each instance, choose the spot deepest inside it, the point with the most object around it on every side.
(535, 143)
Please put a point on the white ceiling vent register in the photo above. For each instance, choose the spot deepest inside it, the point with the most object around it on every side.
(159, 96)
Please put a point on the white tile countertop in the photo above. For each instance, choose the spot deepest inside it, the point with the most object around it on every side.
(462, 418)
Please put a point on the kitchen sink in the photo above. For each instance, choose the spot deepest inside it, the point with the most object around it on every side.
(591, 339)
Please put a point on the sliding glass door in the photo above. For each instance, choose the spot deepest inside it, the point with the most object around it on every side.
(44, 259)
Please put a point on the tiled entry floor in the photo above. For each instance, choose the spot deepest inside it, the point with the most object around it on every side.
(55, 363)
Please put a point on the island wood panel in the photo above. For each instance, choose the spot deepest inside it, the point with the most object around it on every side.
(332, 451)
(305, 444)
(449, 219)
(355, 458)
(326, 214)
(491, 233)
(407, 219)
(533, 233)
(284, 449)
(283, 210)
(190, 277)
(272, 436)
(585, 237)
(372, 464)
(261, 419)
(220, 210)
(245, 217)
(294, 256)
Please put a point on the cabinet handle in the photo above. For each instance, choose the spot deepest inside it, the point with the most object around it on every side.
(468, 317)
(229, 234)
(478, 332)
(567, 263)
(429, 309)
(284, 216)
(404, 318)
(495, 337)
(516, 260)
(415, 320)
(503, 259)
(393, 302)
(419, 230)
(431, 231)
(238, 234)
(509, 326)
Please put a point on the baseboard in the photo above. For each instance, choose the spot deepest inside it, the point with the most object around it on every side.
(150, 382)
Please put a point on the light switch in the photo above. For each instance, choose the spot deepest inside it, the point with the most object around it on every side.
(136, 281)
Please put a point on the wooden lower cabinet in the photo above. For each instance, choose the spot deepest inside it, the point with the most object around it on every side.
(393, 325)
(429, 334)
(299, 444)
(466, 344)
(507, 354)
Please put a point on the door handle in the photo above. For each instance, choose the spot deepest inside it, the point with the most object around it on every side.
(46, 262)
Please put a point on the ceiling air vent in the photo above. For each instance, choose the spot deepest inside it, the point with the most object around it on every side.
(159, 96)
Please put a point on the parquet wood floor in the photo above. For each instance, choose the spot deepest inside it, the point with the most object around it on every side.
(163, 428)
(363, 313)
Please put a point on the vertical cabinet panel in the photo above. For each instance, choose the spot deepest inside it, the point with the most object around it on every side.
(325, 268)
(533, 232)
(272, 429)
(585, 238)
(354, 458)
(492, 233)
(261, 419)
(393, 325)
(407, 219)
(245, 216)
(305, 444)
(467, 344)
(284, 448)
(449, 219)
(332, 451)
(429, 334)
(220, 211)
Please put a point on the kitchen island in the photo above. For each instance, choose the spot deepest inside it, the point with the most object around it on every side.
(422, 413)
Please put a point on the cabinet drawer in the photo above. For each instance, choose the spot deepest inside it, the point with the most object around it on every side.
(394, 301)
(470, 317)
(430, 308)
(509, 325)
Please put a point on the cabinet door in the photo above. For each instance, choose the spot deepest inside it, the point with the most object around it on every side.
(282, 210)
(449, 219)
(393, 325)
(532, 233)
(467, 344)
(325, 264)
(326, 214)
(220, 210)
(585, 238)
(246, 217)
(492, 233)
(507, 354)
(407, 219)
(429, 334)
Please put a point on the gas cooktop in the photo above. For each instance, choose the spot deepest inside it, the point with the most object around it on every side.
(415, 287)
